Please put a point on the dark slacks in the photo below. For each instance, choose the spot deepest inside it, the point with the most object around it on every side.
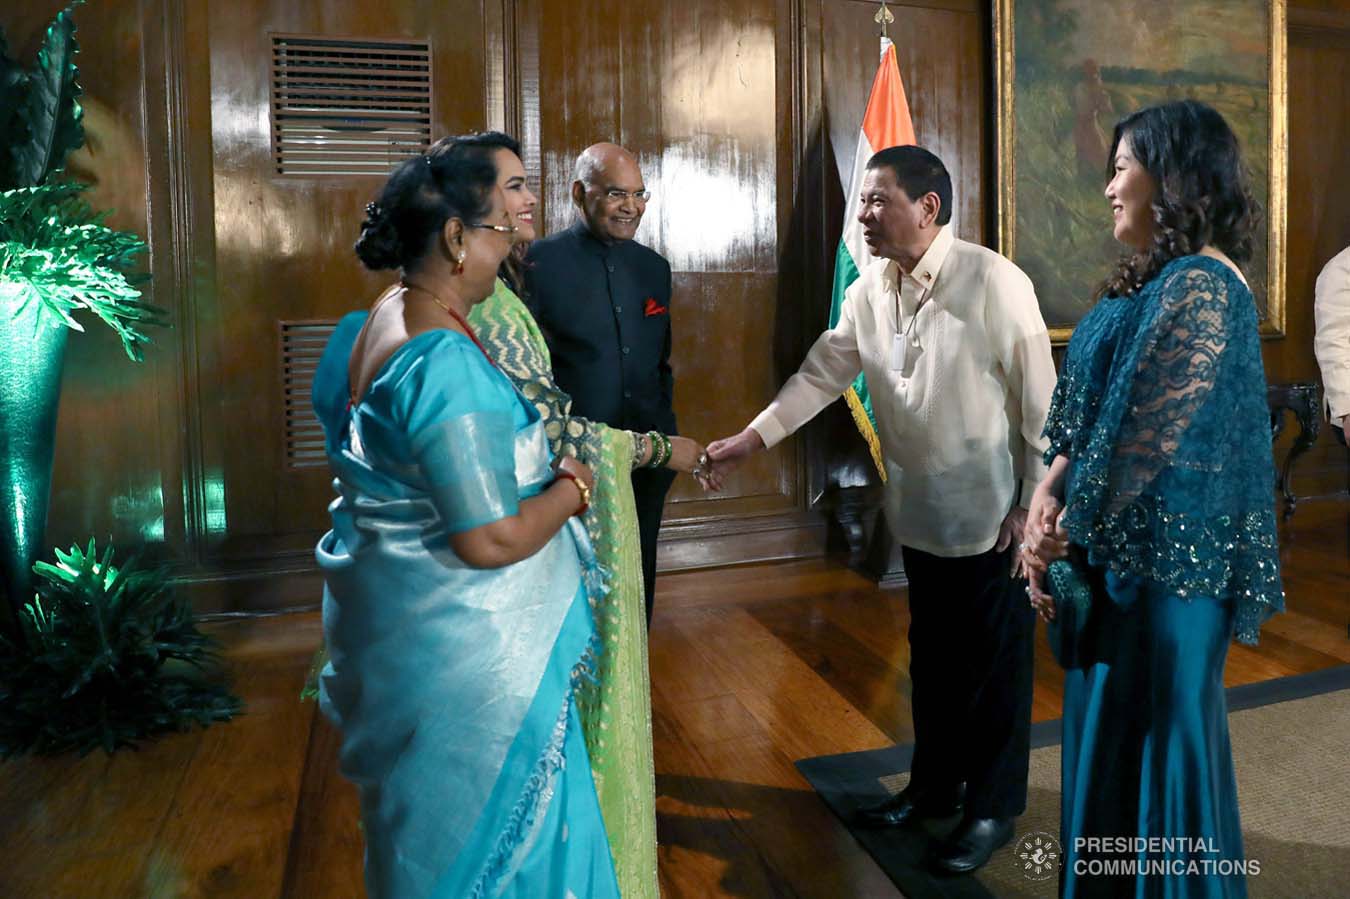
(971, 654)
(650, 487)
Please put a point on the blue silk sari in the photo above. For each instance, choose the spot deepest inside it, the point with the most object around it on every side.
(454, 687)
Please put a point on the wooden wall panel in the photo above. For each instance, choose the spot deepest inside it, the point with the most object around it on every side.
(1319, 205)
(283, 246)
(184, 454)
(698, 91)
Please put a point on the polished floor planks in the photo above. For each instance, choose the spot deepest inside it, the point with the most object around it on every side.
(752, 669)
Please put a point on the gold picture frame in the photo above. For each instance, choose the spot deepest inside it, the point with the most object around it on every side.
(1083, 109)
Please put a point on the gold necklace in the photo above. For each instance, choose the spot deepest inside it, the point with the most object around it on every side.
(468, 329)
(408, 285)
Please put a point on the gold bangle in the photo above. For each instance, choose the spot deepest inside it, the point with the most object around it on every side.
(582, 488)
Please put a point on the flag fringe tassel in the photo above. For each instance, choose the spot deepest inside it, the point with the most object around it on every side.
(868, 431)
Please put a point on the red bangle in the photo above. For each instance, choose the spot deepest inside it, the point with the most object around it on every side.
(581, 488)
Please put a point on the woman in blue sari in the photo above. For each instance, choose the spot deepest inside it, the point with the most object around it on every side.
(457, 572)
(1160, 493)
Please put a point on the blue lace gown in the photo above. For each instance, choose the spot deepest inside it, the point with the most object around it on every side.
(1161, 409)
(453, 686)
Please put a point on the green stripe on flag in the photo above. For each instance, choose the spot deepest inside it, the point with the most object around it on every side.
(859, 400)
(845, 273)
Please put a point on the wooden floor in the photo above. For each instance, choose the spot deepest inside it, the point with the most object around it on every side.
(752, 668)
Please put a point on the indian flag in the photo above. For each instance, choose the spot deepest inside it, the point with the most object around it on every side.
(886, 123)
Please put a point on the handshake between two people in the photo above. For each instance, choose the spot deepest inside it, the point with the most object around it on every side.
(1040, 529)
(710, 465)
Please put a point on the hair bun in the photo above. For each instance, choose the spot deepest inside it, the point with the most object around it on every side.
(379, 246)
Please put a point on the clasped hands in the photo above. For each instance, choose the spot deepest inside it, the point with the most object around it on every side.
(711, 465)
(1043, 541)
(686, 455)
(725, 455)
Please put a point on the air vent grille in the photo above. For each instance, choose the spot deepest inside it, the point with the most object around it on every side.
(348, 107)
(302, 344)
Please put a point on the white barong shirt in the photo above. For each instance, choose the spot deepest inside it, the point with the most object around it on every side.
(1331, 340)
(960, 422)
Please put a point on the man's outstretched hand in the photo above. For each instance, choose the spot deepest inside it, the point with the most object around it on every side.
(725, 455)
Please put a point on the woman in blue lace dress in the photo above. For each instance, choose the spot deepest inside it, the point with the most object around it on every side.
(1160, 492)
(456, 607)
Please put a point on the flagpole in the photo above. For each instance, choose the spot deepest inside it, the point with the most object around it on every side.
(884, 18)
(886, 123)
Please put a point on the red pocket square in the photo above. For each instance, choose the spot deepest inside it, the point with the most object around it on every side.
(651, 307)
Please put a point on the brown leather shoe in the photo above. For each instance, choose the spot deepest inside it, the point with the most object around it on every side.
(909, 804)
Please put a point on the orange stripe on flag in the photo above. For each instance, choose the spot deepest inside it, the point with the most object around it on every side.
(886, 122)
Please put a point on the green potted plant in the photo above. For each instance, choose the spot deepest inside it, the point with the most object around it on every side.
(107, 657)
(57, 259)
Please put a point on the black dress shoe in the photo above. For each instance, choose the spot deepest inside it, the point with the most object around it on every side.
(972, 843)
(909, 805)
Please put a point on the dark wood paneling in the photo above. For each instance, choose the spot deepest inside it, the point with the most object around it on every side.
(1319, 205)
(283, 244)
(700, 92)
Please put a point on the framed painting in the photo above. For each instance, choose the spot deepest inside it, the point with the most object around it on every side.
(1068, 70)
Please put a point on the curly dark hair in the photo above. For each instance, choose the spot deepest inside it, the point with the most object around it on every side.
(1203, 196)
(453, 179)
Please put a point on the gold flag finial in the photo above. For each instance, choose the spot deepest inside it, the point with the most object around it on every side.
(883, 18)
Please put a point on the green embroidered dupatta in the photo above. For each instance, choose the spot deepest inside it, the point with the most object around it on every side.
(616, 709)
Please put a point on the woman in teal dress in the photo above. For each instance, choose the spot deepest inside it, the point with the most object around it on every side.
(458, 575)
(1160, 493)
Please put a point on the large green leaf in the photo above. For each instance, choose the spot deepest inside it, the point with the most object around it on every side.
(55, 250)
(50, 108)
(12, 129)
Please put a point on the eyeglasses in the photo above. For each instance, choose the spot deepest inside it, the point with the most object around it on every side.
(504, 229)
(615, 195)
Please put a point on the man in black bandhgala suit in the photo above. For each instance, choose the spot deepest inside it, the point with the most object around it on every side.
(603, 302)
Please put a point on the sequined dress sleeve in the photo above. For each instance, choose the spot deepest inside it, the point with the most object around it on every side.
(1161, 408)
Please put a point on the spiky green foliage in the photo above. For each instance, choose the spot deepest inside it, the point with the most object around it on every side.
(13, 86)
(109, 658)
(48, 108)
(56, 251)
(53, 248)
